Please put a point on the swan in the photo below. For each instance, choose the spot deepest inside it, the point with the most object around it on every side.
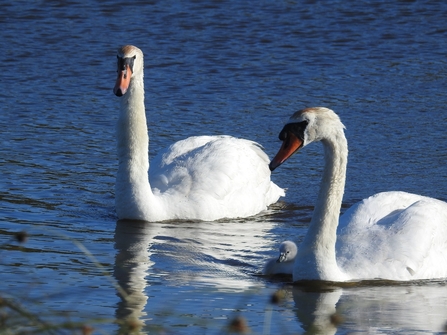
(284, 263)
(392, 235)
(198, 178)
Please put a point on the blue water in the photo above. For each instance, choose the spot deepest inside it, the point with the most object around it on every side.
(212, 67)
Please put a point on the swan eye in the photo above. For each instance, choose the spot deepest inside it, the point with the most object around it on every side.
(123, 62)
(296, 128)
(283, 135)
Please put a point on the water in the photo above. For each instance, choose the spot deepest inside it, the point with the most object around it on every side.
(237, 68)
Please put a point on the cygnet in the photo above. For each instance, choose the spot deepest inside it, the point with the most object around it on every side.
(283, 264)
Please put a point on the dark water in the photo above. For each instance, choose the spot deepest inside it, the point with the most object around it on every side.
(212, 67)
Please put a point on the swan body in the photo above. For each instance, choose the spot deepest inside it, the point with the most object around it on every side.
(284, 263)
(199, 178)
(391, 235)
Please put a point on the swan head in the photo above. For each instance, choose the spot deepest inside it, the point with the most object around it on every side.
(287, 252)
(129, 65)
(304, 127)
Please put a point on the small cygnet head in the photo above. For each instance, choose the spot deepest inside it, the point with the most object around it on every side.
(287, 252)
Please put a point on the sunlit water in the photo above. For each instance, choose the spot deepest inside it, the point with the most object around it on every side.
(238, 68)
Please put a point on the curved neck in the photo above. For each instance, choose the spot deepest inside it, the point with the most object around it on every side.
(132, 182)
(318, 247)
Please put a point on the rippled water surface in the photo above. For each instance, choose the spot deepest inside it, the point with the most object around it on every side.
(212, 67)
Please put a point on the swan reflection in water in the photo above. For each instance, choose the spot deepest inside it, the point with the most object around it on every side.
(214, 255)
(153, 260)
(132, 262)
(377, 309)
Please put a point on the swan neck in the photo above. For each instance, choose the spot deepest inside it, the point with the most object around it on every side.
(327, 209)
(132, 184)
(132, 135)
(319, 244)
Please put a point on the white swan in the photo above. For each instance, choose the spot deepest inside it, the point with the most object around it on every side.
(200, 178)
(391, 235)
(284, 263)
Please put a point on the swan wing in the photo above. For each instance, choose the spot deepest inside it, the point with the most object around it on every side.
(394, 235)
(220, 176)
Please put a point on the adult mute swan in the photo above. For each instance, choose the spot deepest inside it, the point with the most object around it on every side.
(284, 263)
(392, 235)
(199, 178)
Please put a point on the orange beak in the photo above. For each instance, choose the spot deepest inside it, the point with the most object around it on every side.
(289, 146)
(123, 81)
